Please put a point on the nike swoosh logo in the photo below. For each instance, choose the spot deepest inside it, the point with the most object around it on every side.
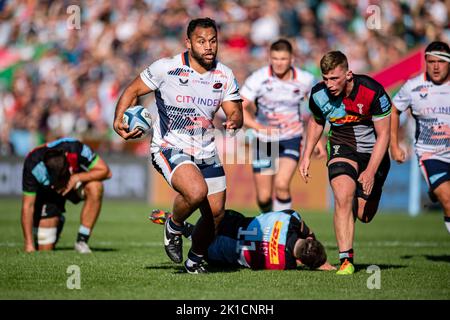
(166, 241)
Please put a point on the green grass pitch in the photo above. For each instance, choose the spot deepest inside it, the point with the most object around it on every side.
(129, 262)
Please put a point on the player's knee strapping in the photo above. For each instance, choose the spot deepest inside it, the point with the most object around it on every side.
(339, 168)
(46, 235)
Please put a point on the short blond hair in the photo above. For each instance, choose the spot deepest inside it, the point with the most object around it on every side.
(332, 60)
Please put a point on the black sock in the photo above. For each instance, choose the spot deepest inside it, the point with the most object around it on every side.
(82, 237)
(83, 233)
(174, 227)
(266, 206)
(346, 255)
(194, 257)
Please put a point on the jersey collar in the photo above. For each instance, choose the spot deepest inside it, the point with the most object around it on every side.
(185, 59)
(354, 91)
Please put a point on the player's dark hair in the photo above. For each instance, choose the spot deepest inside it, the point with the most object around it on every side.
(438, 46)
(281, 45)
(332, 60)
(57, 167)
(201, 23)
(311, 253)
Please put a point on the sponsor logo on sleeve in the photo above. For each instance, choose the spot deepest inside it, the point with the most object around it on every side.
(384, 103)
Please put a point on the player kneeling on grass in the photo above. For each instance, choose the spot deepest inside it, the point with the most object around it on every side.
(52, 173)
(278, 240)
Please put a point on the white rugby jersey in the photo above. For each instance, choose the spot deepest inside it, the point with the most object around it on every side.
(430, 106)
(277, 101)
(186, 102)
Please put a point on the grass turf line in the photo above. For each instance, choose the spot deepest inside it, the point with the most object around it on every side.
(129, 262)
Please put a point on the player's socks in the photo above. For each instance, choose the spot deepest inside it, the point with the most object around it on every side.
(447, 223)
(265, 207)
(83, 234)
(174, 228)
(346, 255)
(194, 263)
(282, 204)
(193, 259)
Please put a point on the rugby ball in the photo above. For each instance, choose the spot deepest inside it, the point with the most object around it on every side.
(138, 117)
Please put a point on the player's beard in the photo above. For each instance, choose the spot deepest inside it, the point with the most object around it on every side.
(202, 61)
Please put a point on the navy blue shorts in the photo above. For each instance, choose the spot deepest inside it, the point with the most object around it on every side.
(266, 153)
(50, 204)
(435, 172)
(166, 162)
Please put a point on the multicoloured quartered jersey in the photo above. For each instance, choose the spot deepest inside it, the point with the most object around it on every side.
(430, 106)
(352, 117)
(263, 242)
(278, 102)
(187, 102)
(35, 175)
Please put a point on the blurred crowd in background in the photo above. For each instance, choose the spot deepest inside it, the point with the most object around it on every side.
(60, 78)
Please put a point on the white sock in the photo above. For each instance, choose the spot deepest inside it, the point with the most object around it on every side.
(190, 263)
(192, 257)
(447, 223)
(279, 204)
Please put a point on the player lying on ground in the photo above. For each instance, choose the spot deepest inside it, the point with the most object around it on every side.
(278, 240)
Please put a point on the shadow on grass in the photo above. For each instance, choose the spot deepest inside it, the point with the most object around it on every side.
(93, 249)
(440, 258)
(437, 258)
(180, 269)
(362, 267)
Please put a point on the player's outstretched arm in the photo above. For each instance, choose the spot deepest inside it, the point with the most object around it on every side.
(129, 98)
(327, 267)
(27, 221)
(397, 153)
